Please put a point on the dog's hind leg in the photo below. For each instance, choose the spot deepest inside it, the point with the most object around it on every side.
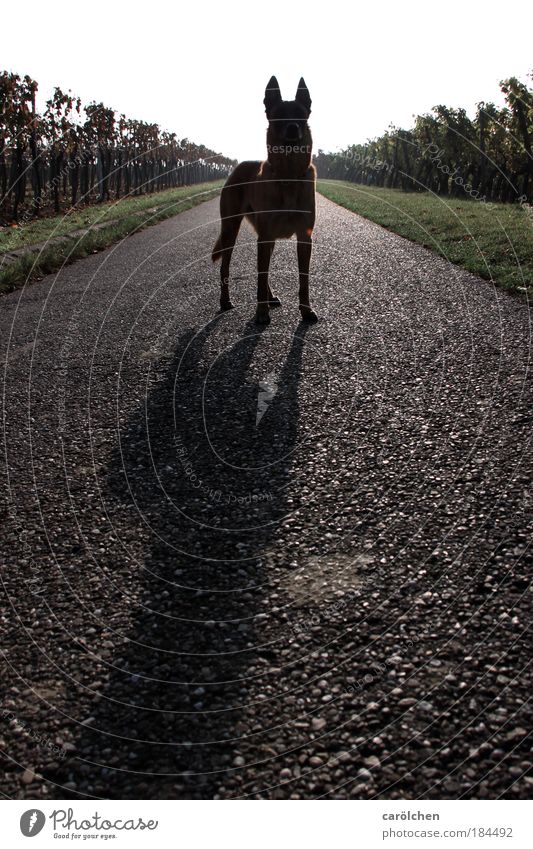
(264, 252)
(304, 260)
(228, 237)
(273, 300)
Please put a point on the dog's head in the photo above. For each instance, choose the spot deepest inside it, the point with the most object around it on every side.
(287, 119)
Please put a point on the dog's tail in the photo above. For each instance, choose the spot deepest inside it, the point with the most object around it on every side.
(217, 250)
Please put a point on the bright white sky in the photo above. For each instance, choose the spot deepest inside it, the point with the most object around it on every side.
(200, 69)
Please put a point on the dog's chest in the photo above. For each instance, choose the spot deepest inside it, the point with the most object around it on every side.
(291, 199)
(282, 207)
(288, 194)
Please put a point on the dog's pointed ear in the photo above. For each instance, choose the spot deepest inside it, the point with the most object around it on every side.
(302, 95)
(272, 95)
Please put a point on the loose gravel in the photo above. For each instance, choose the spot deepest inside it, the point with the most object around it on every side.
(329, 599)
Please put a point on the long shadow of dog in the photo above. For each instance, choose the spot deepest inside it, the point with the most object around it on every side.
(207, 460)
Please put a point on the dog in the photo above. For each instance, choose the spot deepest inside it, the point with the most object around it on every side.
(276, 196)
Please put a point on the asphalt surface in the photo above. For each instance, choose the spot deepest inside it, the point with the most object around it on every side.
(280, 562)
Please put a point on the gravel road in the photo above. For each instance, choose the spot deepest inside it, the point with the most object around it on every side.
(281, 562)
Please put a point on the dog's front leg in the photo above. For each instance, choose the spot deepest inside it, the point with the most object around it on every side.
(264, 252)
(304, 260)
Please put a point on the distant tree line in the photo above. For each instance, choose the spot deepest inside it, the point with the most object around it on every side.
(71, 155)
(488, 157)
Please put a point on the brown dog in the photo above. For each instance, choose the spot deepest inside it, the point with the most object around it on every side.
(276, 196)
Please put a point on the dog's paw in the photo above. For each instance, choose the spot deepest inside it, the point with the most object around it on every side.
(308, 315)
(227, 305)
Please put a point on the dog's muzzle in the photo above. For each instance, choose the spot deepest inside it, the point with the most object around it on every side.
(293, 132)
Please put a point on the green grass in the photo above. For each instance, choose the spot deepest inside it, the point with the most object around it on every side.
(494, 241)
(124, 216)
